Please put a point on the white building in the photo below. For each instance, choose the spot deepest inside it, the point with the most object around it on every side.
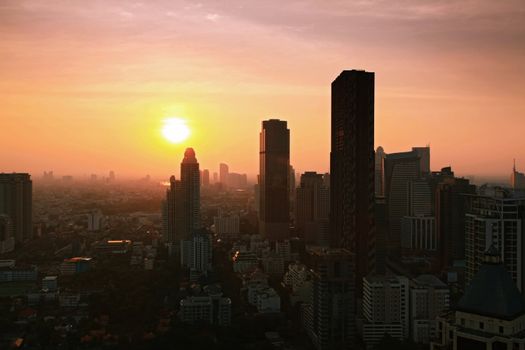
(385, 308)
(267, 300)
(210, 307)
(429, 298)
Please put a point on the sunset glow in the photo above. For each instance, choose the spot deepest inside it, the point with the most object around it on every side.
(175, 130)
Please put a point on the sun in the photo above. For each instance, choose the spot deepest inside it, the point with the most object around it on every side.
(175, 130)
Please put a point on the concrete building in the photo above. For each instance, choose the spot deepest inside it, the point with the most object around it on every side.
(429, 298)
(517, 179)
(332, 319)
(226, 226)
(16, 201)
(209, 307)
(312, 209)
(50, 283)
(489, 316)
(494, 217)
(274, 156)
(224, 172)
(400, 169)
(352, 161)
(385, 308)
(75, 265)
(95, 221)
(7, 238)
(379, 182)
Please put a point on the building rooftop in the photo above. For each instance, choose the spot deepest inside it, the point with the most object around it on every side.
(492, 292)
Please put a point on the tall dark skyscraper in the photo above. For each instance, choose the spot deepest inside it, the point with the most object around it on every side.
(182, 207)
(274, 210)
(352, 173)
(190, 179)
(16, 201)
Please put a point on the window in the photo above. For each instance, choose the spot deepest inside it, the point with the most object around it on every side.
(501, 329)
(481, 325)
(462, 321)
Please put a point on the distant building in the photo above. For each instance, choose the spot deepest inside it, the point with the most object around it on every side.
(73, 266)
(424, 159)
(352, 174)
(7, 238)
(224, 172)
(226, 226)
(9, 272)
(50, 283)
(274, 210)
(380, 172)
(205, 178)
(400, 170)
(312, 207)
(237, 181)
(95, 221)
(201, 254)
(385, 308)
(490, 315)
(517, 179)
(16, 201)
(209, 307)
(115, 246)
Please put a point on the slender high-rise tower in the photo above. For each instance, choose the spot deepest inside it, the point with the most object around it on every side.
(274, 210)
(352, 174)
(16, 201)
(190, 180)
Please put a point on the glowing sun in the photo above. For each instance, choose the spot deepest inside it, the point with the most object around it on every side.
(175, 130)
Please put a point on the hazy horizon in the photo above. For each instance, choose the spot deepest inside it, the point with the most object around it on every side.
(86, 86)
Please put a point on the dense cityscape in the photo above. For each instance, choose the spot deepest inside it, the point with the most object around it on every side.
(382, 252)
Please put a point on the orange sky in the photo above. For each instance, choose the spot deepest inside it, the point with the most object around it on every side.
(85, 85)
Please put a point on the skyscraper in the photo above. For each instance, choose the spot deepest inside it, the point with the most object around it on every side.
(224, 171)
(517, 179)
(352, 173)
(312, 207)
(495, 219)
(16, 201)
(181, 210)
(380, 172)
(274, 211)
(205, 178)
(400, 169)
(190, 180)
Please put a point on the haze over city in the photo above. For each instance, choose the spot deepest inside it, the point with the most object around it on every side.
(88, 87)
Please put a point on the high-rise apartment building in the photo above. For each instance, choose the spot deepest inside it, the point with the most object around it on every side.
(494, 218)
(16, 201)
(205, 178)
(400, 169)
(352, 161)
(385, 308)
(380, 172)
(224, 172)
(332, 317)
(312, 209)
(190, 180)
(274, 209)
(517, 179)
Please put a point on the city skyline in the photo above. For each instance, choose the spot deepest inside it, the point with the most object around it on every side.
(72, 95)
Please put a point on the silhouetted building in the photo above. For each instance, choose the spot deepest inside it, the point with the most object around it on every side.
(215, 178)
(312, 207)
(205, 178)
(16, 201)
(450, 216)
(494, 218)
(424, 159)
(274, 210)
(400, 169)
(352, 161)
(380, 172)
(490, 315)
(190, 180)
(517, 179)
(332, 313)
(224, 172)
(7, 238)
